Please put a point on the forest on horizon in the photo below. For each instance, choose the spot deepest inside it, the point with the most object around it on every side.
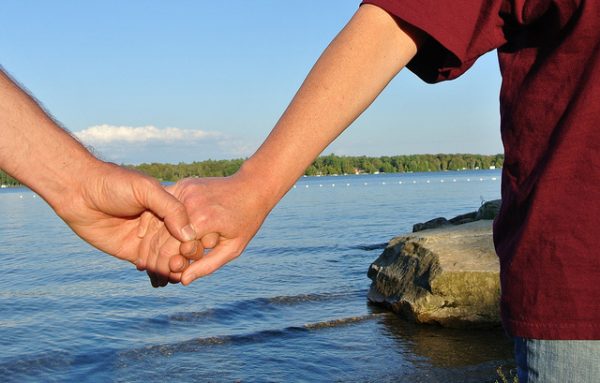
(324, 165)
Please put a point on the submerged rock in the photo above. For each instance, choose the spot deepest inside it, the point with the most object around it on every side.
(447, 276)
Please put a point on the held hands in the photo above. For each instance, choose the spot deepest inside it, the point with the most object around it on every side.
(106, 209)
(230, 206)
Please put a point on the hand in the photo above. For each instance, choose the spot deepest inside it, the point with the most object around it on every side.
(105, 210)
(231, 207)
(102, 203)
(333, 95)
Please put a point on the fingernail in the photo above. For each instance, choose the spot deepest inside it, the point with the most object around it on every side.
(141, 231)
(189, 234)
(193, 250)
(180, 266)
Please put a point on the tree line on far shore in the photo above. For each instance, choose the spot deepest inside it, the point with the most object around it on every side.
(324, 165)
(7, 180)
(333, 164)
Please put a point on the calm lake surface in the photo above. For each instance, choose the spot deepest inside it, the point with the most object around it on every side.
(293, 308)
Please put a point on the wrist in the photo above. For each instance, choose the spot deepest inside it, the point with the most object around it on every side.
(72, 183)
(262, 184)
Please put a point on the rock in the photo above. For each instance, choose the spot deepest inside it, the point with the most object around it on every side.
(431, 224)
(489, 210)
(447, 276)
(464, 218)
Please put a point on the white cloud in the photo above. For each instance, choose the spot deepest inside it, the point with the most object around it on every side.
(105, 134)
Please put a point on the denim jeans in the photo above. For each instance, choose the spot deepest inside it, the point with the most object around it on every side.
(564, 361)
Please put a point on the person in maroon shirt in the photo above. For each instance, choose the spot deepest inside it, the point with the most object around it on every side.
(546, 234)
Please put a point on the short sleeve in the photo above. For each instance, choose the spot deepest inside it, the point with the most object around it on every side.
(460, 30)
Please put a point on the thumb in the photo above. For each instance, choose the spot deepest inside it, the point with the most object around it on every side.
(171, 210)
(223, 253)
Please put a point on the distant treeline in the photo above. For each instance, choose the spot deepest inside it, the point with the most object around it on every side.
(174, 172)
(325, 165)
(332, 164)
(7, 180)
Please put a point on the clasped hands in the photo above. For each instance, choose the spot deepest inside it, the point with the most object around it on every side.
(225, 212)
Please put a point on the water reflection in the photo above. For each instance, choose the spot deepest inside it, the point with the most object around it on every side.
(448, 348)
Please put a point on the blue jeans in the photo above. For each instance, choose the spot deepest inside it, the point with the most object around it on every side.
(563, 361)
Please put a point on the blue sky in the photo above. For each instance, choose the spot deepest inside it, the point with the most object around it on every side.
(172, 81)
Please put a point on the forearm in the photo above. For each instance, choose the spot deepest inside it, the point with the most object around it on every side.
(34, 149)
(349, 75)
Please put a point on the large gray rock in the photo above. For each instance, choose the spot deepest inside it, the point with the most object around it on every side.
(448, 276)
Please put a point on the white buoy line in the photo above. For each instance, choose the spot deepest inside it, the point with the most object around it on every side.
(403, 182)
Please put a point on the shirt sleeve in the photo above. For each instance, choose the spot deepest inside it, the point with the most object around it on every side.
(460, 32)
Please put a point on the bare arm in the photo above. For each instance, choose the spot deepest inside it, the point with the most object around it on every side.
(346, 79)
(34, 149)
(101, 202)
(350, 74)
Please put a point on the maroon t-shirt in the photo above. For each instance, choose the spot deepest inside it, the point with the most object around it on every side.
(547, 234)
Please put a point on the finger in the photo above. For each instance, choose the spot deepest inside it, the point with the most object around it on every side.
(175, 278)
(209, 241)
(162, 273)
(170, 209)
(178, 263)
(169, 249)
(162, 280)
(144, 248)
(189, 248)
(155, 245)
(210, 262)
(153, 280)
(145, 220)
(199, 252)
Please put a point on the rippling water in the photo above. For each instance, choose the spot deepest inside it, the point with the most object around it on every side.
(292, 308)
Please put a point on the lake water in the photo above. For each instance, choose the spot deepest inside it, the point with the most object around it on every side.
(293, 308)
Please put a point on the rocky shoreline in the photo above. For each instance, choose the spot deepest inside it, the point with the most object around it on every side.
(446, 272)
